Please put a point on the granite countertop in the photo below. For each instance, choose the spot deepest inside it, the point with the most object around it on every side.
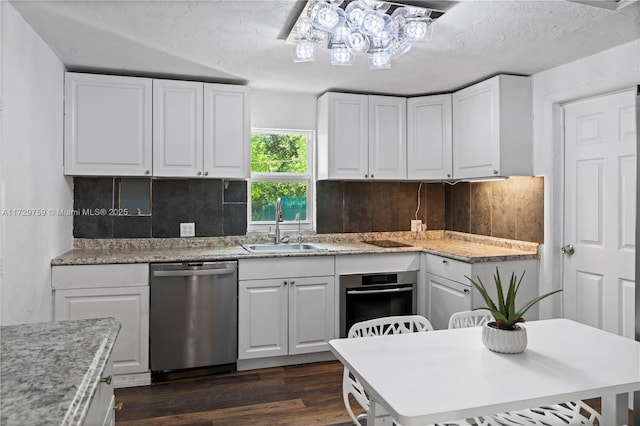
(456, 245)
(50, 371)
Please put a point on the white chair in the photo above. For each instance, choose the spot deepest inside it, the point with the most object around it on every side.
(574, 413)
(380, 327)
(465, 319)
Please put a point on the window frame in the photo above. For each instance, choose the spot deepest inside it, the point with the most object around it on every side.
(289, 226)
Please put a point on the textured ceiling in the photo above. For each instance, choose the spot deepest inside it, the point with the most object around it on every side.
(242, 41)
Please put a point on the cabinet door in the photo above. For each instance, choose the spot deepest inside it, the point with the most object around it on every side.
(107, 125)
(101, 407)
(387, 137)
(429, 139)
(227, 132)
(311, 314)
(445, 298)
(476, 131)
(343, 136)
(129, 305)
(262, 318)
(177, 128)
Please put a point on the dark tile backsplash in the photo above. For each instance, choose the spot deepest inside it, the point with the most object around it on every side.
(217, 207)
(377, 206)
(513, 208)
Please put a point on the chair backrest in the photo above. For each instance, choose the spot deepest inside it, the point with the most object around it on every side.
(469, 319)
(390, 325)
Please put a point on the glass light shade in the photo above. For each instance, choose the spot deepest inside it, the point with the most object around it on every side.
(357, 42)
(354, 13)
(340, 34)
(341, 55)
(398, 47)
(326, 16)
(379, 59)
(373, 23)
(304, 51)
(415, 29)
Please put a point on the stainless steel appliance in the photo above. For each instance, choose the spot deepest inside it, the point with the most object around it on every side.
(368, 296)
(193, 315)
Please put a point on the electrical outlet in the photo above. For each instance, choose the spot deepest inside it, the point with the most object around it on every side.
(416, 225)
(188, 229)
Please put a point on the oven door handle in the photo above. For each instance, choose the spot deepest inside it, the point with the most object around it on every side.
(386, 290)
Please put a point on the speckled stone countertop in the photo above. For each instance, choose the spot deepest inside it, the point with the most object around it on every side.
(456, 245)
(50, 371)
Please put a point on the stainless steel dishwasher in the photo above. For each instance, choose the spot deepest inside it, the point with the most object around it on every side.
(193, 318)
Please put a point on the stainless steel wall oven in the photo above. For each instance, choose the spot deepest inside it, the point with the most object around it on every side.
(368, 296)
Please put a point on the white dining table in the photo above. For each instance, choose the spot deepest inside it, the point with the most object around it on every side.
(435, 376)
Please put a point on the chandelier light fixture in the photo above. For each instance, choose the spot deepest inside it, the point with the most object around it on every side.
(380, 29)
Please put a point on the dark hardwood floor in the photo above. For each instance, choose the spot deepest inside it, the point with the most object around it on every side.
(306, 395)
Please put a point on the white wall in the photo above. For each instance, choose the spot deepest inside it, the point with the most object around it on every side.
(281, 110)
(612, 70)
(30, 171)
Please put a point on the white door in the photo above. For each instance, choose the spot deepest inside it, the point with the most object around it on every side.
(429, 142)
(177, 128)
(129, 305)
(311, 314)
(227, 131)
(262, 318)
(387, 137)
(600, 204)
(107, 125)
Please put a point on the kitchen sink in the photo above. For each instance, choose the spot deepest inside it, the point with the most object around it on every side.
(281, 248)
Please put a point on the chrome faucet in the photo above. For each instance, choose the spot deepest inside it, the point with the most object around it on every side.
(299, 230)
(279, 218)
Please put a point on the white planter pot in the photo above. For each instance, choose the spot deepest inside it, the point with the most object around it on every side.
(504, 341)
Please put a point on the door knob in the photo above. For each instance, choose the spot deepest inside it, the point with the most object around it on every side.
(568, 249)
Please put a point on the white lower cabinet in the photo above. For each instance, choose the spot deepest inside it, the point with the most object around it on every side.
(449, 291)
(118, 291)
(287, 312)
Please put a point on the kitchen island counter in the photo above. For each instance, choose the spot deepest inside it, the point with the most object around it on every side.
(51, 371)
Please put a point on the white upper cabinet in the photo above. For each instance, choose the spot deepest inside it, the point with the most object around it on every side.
(227, 131)
(429, 137)
(199, 129)
(492, 128)
(177, 128)
(387, 137)
(107, 125)
(343, 136)
(361, 137)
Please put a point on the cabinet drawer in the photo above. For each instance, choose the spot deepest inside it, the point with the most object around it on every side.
(99, 276)
(448, 268)
(291, 267)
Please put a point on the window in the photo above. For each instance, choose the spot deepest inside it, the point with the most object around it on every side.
(281, 166)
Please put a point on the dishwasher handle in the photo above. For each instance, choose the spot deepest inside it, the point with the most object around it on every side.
(194, 272)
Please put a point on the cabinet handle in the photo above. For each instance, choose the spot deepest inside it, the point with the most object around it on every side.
(285, 283)
(147, 172)
(495, 172)
(466, 290)
(118, 406)
(199, 173)
(206, 173)
(446, 262)
(371, 176)
(366, 176)
(106, 380)
(293, 283)
(448, 175)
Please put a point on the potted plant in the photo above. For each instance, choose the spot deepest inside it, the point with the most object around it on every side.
(504, 335)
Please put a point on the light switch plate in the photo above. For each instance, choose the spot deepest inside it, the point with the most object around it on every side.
(188, 229)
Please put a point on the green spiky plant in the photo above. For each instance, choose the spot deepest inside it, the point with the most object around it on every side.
(504, 311)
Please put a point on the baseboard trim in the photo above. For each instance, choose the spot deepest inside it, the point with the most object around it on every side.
(131, 380)
(280, 361)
